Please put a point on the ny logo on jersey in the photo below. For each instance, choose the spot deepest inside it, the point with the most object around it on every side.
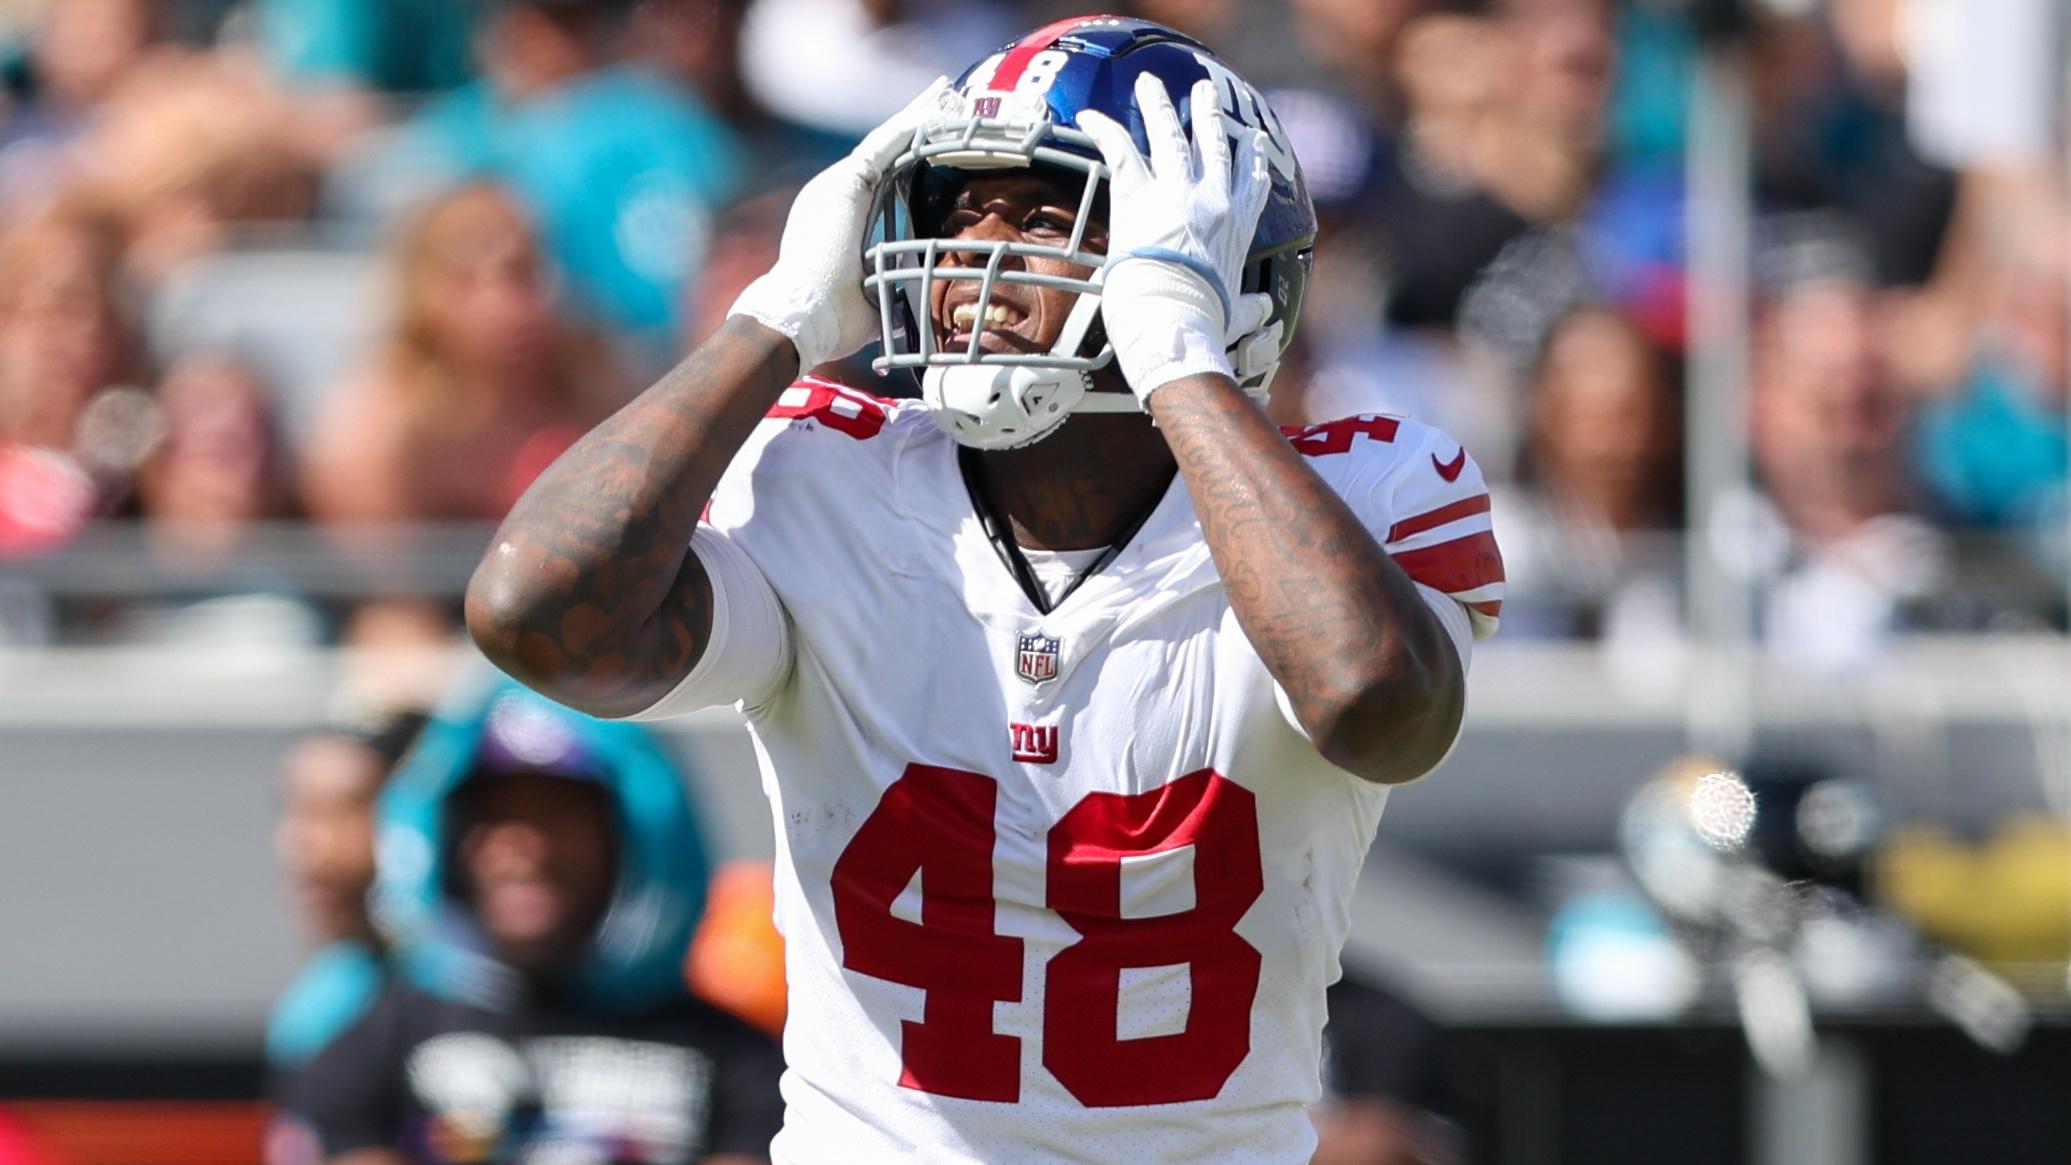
(1036, 658)
(1034, 743)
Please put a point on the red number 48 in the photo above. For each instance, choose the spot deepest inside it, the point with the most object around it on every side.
(939, 822)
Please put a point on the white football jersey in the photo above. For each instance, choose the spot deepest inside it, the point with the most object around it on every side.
(1054, 888)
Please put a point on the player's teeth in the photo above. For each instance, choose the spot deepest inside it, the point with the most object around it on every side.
(996, 315)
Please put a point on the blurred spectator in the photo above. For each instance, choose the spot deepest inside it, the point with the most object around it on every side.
(393, 46)
(1846, 553)
(67, 342)
(1601, 472)
(1387, 1096)
(219, 465)
(1356, 41)
(846, 65)
(478, 385)
(623, 168)
(1993, 444)
(66, 331)
(541, 874)
(1544, 150)
(1439, 226)
(698, 43)
(214, 475)
(1830, 133)
(193, 147)
(77, 54)
(1505, 127)
(325, 842)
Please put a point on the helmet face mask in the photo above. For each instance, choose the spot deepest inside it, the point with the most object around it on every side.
(1016, 111)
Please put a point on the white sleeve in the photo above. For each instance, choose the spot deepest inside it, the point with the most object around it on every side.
(1457, 619)
(747, 656)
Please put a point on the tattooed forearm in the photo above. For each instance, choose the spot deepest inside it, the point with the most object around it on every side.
(589, 591)
(1364, 662)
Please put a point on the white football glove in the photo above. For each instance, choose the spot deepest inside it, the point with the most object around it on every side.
(1180, 226)
(814, 294)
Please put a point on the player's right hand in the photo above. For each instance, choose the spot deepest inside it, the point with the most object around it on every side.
(814, 294)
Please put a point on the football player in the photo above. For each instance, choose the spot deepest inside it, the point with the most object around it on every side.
(1078, 686)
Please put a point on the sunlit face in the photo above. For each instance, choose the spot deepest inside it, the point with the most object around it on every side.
(215, 461)
(537, 859)
(1019, 207)
(1825, 392)
(1827, 424)
(325, 839)
(1603, 419)
(1568, 55)
(86, 45)
(486, 291)
(1353, 34)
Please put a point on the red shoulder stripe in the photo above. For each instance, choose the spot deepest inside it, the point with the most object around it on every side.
(1433, 519)
(1463, 564)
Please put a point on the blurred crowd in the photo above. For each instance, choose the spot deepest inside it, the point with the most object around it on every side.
(352, 263)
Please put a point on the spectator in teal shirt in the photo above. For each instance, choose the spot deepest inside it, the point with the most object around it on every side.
(623, 169)
(395, 46)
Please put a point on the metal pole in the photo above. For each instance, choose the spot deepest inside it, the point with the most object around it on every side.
(1820, 1118)
(2061, 34)
(1719, 690)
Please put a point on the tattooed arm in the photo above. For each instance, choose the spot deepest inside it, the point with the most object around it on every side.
(589, 591)
(1366, 666)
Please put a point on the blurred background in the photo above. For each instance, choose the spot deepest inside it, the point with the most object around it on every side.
(1758, 844)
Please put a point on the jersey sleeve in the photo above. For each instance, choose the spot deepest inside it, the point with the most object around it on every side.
(1430, 510)
(798, 451)
(748, 653)
(1424, 500)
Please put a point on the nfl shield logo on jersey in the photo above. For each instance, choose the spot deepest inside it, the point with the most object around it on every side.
(1036, 658)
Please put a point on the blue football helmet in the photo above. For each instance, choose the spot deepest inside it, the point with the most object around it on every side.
(1017, 109)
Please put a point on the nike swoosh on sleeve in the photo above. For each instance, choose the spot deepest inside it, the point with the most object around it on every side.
(1450, 470)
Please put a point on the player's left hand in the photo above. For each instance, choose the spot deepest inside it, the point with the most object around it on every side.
(1180, 226)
